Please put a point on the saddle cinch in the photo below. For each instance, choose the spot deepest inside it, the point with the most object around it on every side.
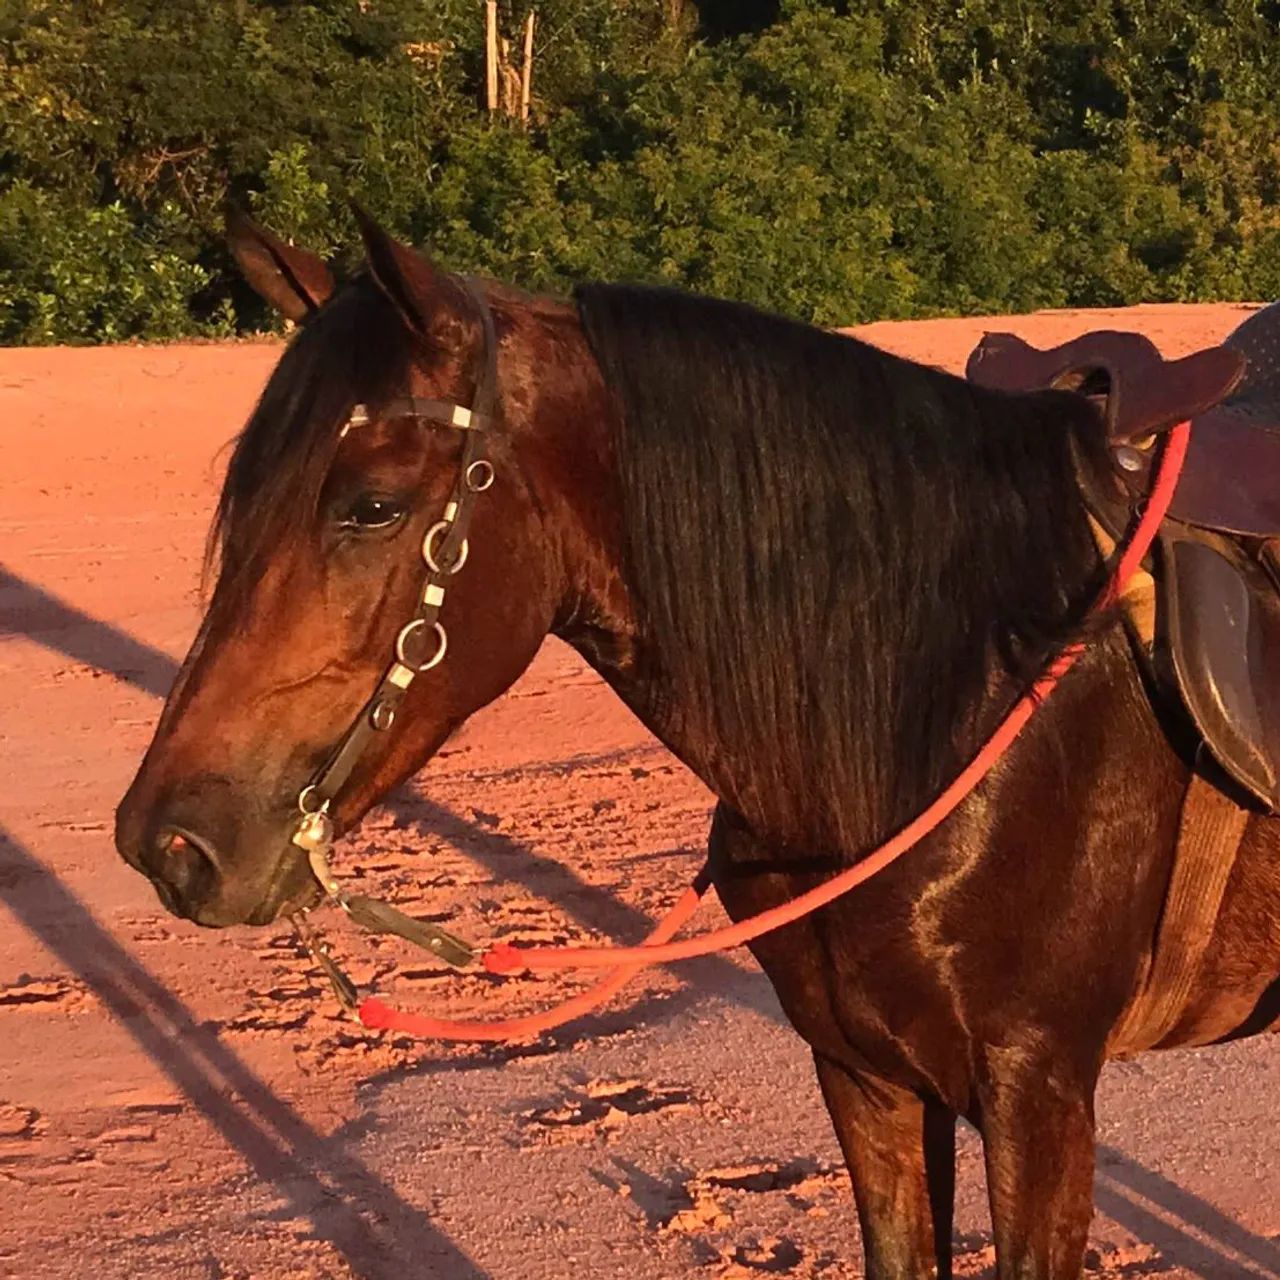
(1213, 636)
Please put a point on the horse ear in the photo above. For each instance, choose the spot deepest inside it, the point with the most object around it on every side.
(294, 281)
(423, 295)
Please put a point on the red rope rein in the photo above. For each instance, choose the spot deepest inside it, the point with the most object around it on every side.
(658, 947)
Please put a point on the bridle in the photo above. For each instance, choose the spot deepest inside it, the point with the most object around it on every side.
(420, 644)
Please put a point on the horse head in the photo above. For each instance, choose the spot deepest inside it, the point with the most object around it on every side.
(391, 556)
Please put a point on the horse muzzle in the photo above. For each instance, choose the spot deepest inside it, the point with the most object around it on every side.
(206, 856)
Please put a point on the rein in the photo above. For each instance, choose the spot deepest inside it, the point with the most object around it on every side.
(444, 551)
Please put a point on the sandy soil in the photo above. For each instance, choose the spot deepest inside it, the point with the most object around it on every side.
(184, 1104)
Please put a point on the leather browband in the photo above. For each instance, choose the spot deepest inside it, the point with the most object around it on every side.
(445, 412)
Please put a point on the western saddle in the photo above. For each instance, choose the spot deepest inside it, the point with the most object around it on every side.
(1212, 633)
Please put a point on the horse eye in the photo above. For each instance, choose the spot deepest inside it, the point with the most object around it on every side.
(369, 511)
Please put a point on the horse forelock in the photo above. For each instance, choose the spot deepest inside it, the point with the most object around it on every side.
(356, 350)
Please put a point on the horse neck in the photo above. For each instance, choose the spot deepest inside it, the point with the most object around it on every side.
(599, 618)
(569, 461)
(863, 735)
(792, 799)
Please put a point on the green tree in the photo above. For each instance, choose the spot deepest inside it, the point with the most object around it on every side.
(834, 161)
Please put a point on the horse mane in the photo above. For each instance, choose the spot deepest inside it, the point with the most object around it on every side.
(831, 551)
(356, 350)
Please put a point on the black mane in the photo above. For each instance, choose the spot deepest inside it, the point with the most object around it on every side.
(828, 547)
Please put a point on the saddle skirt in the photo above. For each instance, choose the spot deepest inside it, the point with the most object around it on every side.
(1210, 625)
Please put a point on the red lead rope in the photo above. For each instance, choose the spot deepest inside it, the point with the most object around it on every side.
(658, 947)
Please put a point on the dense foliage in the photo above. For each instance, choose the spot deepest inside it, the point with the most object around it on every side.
(834, 161)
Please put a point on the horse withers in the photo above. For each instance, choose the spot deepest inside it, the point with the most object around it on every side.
(818, 573)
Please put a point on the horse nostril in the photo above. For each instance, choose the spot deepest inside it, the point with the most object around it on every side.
(174, 842)
(183, 861)
(177, 838)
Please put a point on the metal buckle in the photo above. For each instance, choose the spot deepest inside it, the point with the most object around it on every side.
(315, 831)
(406, 634)
(480, 475)
(442, 527)
(309, 794)
(320, 869)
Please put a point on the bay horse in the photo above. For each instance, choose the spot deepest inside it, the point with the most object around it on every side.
(817, 572)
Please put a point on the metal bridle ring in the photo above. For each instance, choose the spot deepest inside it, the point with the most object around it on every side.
(407, 632)
(429, 554)
(306, 796)
(483, 468)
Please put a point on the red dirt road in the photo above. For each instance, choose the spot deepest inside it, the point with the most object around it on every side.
(184, 1104)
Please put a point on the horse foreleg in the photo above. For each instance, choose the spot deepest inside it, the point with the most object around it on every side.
(901, 1157)
(1038, 1134)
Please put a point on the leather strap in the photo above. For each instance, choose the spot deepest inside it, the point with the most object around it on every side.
(444, 412)
(1209, 834)
(1218, 636)
(443, 558)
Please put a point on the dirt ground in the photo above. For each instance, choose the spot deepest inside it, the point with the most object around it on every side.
(186, 1104)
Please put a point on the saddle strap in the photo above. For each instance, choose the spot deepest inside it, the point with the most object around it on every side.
(1209, 834)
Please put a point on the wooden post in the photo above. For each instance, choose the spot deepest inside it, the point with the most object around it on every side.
(526, 70)
(491, 54)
